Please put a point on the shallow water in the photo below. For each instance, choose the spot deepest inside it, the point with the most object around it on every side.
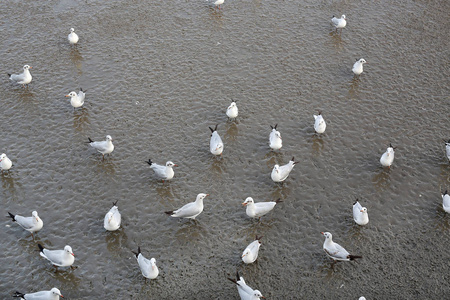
(157, 75)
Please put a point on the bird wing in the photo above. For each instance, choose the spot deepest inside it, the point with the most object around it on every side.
(187, 210)
(144, 264)
(285, 170)
(215, 140)
(356, 210)
(261, 208)
(100, 146)
(25, 222)
(42, 295)
(159, 170)
(446, 201)
(335, 21)
(55, 256)
(337, 251)
(17, 77)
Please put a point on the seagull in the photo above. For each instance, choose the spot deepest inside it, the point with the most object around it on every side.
(280, 173)
(218, 3)
(58, 258)
(250, 253)
(257, 210)
(104, 147)
(319, 123)
(232, 111)
(148, 266)
(215, 144)
(72, 37)
(387, 158)
(24, 78)
(362, 298)
(77, 100)
(112, 218)
(32, 224)
(53, 294)
(339, 23)
(275, 141)
(163, 172)
(245, 292)
(336, 251)
(447, 149)
(5, 162)
(190, 210)
(360, 214)
(358, 66)
(446, 202)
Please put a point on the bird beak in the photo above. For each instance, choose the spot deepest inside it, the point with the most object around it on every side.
(175, 165)
(322, 232)
(244, 203)
(244, 254)
(37, 219)
(67, 96)
(31, 67)
(61, 296)
(153, 267)
(361, 210)
(73, 254)
(207, 194)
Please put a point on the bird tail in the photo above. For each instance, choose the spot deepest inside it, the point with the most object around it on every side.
(353, 257)
(41, 248)
(278, 201)
(115, 203)
(293, 159)
(258, 238)
(445, 193)
(9, 75)
(138, 251)
(274, 127)
(356, 201)
(170, 212)
(149, 162)
(90, 140)
(19, 294)
(12, 216)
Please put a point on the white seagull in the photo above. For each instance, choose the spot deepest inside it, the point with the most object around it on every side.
(215, 144)
(104, 147)
(257, 210)
(77, 100)
(163, 172)
(275, 141)
(250, 253)
(446, 202)
(387, 158)
(336, 251)
(32, 224)
(148, 266)
(339, 23)
(232, 111)
(245, 292)
(53, 294)
(280, 173)
(112, 218)
(5, 162)
(447, 149)
(218, 3)
(360, 214)
(319, 123)
(190, 210)
(72, 37)
(358, 66)
(23, 78)
(58, 258)
(362, 298)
